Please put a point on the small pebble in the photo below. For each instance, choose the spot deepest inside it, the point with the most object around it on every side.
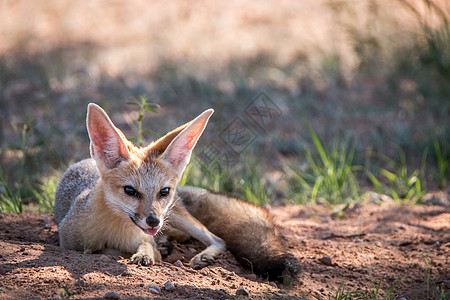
(326, 260)
(53, 269)
(48, 222)
(125, 274)
(154, 290)
(326, 219)
(242, 292)
(79, 283)
(111, 295)
(273, 284)
(105, 259)
(266, 206)
(168, 285)
(178, 263)
(437, 201)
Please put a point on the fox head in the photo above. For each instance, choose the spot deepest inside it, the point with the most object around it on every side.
(140, 183)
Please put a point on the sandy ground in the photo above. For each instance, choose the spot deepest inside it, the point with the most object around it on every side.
(370, 245)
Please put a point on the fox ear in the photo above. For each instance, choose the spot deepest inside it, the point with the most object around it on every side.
(179, 150)
(162, 143)
(108, 144)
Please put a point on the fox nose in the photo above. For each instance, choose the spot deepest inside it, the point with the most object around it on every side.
(152, 221)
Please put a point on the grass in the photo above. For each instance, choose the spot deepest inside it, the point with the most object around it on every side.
(45, 194)
(11, 198)
(9, 201)
(244, 182)
(399, 183)
(144, 106)
(198, 174)
(431, 290)
(442, 161)
(330, 174)
(371, 293)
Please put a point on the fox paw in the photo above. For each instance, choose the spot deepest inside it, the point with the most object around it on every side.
(201, 260)
(142, 259)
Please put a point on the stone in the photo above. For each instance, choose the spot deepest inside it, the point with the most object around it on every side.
(111, 295)
(79, 282)
(241, 292)
(105, 259)
(154, 289)
(168, 285)
(326, 260)
(178, 263)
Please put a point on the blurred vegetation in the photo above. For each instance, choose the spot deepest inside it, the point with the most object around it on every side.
(330, 175)
(371, 81)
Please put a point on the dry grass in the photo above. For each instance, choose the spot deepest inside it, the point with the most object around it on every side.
(136, 35)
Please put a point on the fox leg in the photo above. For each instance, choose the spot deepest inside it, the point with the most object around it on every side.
(183, 220)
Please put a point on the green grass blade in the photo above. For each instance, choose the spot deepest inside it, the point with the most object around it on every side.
(389, 175)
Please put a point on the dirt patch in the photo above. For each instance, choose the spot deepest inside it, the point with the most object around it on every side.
(371, 245)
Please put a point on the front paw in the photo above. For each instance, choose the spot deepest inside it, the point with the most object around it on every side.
(201, 260)
(146, 255)
(144, 259)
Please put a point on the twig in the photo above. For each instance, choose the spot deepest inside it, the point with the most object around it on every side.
(250, 264)
(345, 236)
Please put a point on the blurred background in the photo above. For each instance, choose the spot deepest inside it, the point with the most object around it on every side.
(316, 101)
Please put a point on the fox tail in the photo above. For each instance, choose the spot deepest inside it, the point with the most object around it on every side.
(246, 229)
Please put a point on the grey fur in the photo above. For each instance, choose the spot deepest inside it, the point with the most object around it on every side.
(76, 182)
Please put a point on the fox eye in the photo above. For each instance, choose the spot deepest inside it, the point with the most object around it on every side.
(164, 192)
(130, 191)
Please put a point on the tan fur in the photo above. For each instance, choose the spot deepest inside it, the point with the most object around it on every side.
(95, 209)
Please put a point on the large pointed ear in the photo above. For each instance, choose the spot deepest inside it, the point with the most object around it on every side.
(178, 152)
(108, 144)
(163, 142)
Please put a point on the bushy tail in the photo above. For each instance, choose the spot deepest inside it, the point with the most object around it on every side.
(246, 229)
(258, 248)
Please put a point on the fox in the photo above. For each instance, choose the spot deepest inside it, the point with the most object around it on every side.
(125, 200)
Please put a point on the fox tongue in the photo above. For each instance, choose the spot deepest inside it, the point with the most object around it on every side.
(151, 231)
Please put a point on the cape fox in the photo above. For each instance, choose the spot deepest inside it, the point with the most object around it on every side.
(121, 198)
